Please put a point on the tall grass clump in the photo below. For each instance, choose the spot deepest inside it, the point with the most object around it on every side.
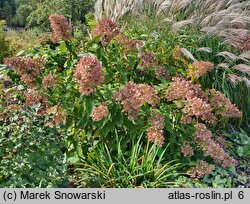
(141, 166)
(229, 19)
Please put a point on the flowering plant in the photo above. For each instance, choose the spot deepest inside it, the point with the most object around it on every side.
(112, 86)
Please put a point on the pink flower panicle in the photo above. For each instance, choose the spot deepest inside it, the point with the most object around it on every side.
(33, 98)
(179, 88)
(107, 29)
(197, 107)
(60, 27)
(132, 96)
(128, 44)
(49, 81)
(28, 68)
(148, 59)
(203, 138)
(221, 141)
(201, 169)
(155, 132)
(187, 149)
(202, 132)
(149, 95)
(199, 68)
(100, 112)
(161, 72)
(88, 74)
(223, 105)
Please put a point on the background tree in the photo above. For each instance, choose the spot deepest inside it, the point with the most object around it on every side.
(34, 13)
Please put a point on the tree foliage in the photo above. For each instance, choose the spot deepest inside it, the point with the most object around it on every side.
(33, 13)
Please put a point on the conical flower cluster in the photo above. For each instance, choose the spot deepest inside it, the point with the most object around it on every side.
(60, 27)
(107, 29)
(132, 96)
(155, 131)
(28, 68)
(88, 74)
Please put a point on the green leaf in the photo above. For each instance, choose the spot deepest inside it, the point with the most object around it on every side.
(105, 130)
(240, 151)
(63, 47)
(89, 105)
(73, 157)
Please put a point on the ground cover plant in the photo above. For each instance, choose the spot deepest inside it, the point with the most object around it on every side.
(127, 105)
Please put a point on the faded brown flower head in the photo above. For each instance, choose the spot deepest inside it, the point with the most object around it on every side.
(201, 169)
(34, 97)
(202, 132)
(148, 59)
(199, 108)
(60, 27)
(203, 138)
(199, 68)
(161, 72)
(128, 44)
(58, 114)
(180, 88)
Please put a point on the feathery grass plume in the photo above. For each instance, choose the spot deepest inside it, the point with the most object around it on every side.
(205, 49)
(61, 28)
(247, 81)
(224, 65)
(245, 56)
(225, 17)
(187, 54)
(234, 79)
(227, 55)
(243, 68)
